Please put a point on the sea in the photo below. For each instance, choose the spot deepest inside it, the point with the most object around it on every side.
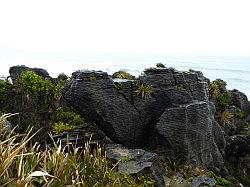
(235, 70)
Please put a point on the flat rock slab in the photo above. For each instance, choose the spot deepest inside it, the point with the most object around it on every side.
(133, 167)
(203, 181)
(131, 161)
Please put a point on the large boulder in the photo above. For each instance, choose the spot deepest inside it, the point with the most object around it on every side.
(129, 117)
(192, 132)
(16, 71)
(96, 97)
(240, 100)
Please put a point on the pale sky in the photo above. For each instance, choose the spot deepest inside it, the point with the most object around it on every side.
(124, 26)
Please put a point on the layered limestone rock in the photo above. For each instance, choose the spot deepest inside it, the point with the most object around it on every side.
(177, 101)
(193, 133)
(240, 100)
(96, 97)
(136, 162)
(16, 71)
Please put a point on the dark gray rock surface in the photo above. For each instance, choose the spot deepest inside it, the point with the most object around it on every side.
(98, 99)
(201, 181)
(136, 162)
(240, 100)
(180, 101)
(193, 133)
(16, 71)
(85, 133)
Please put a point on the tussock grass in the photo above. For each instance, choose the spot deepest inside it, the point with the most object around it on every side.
(23, 164)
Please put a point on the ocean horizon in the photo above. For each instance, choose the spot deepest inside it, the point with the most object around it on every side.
(234, 70)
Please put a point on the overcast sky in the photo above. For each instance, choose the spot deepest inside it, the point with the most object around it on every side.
(126, 26)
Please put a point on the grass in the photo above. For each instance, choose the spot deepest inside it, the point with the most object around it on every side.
(225, 117)
(23, 164)
(145, 91)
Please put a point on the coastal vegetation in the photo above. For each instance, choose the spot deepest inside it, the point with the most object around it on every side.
(31, 156)
(145, 91)
(25, 164)
(232, 117)
(160, 65)
(123, 75)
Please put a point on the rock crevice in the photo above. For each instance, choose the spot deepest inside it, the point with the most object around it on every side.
(179, 111)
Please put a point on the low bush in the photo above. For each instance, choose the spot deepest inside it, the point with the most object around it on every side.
(37, 91)
(223, 100)
(5, 87)
(214, 91)
(160, 65)
(70, 118)
(123, 75)
(221, 84)
(62, 127)
(217, 88)
(62, 77)
(239, 113)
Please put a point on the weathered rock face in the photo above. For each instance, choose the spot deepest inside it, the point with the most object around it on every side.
(193, 133)
(240, 100)
(16, 71)
(94, 95)
(179, 103)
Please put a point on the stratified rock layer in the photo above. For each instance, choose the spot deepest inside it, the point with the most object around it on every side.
(94, 95)
(136, 162)
(179, 105)
(190, 129)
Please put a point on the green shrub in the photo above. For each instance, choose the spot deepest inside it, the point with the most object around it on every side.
(38, 98)
(5, 87)
(214, 90)
(123, 75)
(224, 100)
(62, 127)
(160, 65)
(34, 84)
(220, 180)
(221, 84)
(70, 118)
(37, 91)
(62, 77)
(239, 113)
